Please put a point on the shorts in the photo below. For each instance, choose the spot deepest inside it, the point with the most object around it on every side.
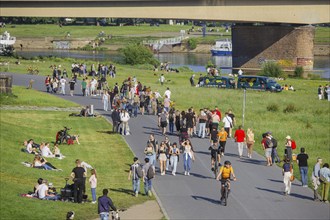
(163, 124)
(162, 156)
(213, 153)
(268, 152)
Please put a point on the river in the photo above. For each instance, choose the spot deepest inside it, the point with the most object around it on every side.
(194, 61)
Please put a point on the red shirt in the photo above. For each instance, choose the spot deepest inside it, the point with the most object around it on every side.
(239, 135)
(218, 113)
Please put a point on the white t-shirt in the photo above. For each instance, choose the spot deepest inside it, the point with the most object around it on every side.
(42, 191)
(228, 121)
(168, 94)
(63, 81)
(29, 148)
(45, 152)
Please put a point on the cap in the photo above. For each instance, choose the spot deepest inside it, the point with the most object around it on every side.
(288, 137)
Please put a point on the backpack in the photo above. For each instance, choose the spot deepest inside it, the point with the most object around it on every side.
(293, 144)
(138, 171)
(150, 173)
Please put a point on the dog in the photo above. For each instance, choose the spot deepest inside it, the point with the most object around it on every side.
(70, 215)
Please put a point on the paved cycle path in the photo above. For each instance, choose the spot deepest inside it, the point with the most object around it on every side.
(257, 193)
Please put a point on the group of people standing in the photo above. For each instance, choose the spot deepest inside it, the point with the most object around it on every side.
(323, 92)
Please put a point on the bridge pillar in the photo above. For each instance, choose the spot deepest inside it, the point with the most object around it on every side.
(288, 45)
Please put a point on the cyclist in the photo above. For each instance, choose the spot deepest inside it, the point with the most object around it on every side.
(225, 173)
(214, 150)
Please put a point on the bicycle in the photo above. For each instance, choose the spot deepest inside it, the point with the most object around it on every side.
(224, 191)
(216, 163)
(115, 214)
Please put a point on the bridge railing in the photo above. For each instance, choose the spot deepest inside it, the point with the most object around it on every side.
(168, 41)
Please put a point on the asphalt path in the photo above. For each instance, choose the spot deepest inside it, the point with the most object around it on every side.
(257, 193)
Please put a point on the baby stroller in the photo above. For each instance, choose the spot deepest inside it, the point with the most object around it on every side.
(63, 135)
(67, 191)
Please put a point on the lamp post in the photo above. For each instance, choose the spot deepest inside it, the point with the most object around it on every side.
(244, 103)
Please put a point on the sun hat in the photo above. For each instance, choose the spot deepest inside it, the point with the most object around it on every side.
(288, 137)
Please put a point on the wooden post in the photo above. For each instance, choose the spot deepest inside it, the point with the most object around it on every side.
(6, 83)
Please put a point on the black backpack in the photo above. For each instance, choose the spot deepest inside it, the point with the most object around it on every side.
(274, 142)
(150, 173)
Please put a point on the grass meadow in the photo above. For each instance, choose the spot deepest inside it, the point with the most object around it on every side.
(131, 34)
(307, 122)
(107, 153)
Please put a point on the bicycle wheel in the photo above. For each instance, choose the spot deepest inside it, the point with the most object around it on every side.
(216, 165)
(225, 195)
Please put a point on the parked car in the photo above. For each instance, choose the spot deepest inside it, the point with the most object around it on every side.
(218, 81)
(258, 83)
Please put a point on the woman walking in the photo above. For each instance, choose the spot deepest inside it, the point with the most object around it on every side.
(250, 141)
(162, 158)
(105, 100)
(93, 182)
(188, 156)
(150, 153)
(174, 159)
(287, 172)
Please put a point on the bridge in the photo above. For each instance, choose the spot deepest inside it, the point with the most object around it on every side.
(284, 37)
(278, 11)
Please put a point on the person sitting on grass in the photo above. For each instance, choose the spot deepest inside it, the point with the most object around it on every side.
(41, 163)
(57, 152)
(43, 192)
(45, 151)
(30, 147)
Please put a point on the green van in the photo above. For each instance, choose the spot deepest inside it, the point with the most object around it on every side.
(258, 83)
(218, 81)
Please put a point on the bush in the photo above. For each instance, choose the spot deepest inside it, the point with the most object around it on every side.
(138, 54)
(298, 71)
(210, 64)
(192, 43)
(272, 107)
(271, 69)
(290, 108)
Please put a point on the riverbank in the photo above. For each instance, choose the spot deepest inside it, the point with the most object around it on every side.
(321, 49)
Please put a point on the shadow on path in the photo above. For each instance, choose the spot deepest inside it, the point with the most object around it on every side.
(252, 161)
(270, 190)
(206, 199)
(122, 190)
(200, 176)
(281, 181)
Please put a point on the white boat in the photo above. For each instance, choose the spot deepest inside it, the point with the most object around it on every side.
(6, 43)
(222, 48)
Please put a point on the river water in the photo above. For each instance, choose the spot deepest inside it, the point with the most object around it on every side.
(195, 62)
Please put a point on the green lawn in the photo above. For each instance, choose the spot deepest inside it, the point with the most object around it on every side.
(30, 97)
(108, 153)
(309, 125)
(134, 33)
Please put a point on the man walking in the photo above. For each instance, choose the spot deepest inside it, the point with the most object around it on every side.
(303, 166)
(134, 173)
(104, 205)
(316, 178)
(78, 175)
(148, 176)
(240, 139)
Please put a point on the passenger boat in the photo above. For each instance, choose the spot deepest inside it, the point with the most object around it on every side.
(222, 48)
(6, 43)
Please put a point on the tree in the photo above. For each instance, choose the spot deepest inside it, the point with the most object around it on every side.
(138, 54)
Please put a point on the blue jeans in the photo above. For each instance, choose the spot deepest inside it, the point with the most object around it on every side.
(201, 130)
(147, 185)
(93, 194)
(174, 163)
(186, 162)
(275, 156)
(135, 110)
(104, 215)
(136, 185)
(171, 125)
(47, 167)
(152, 159)
(304, 175)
